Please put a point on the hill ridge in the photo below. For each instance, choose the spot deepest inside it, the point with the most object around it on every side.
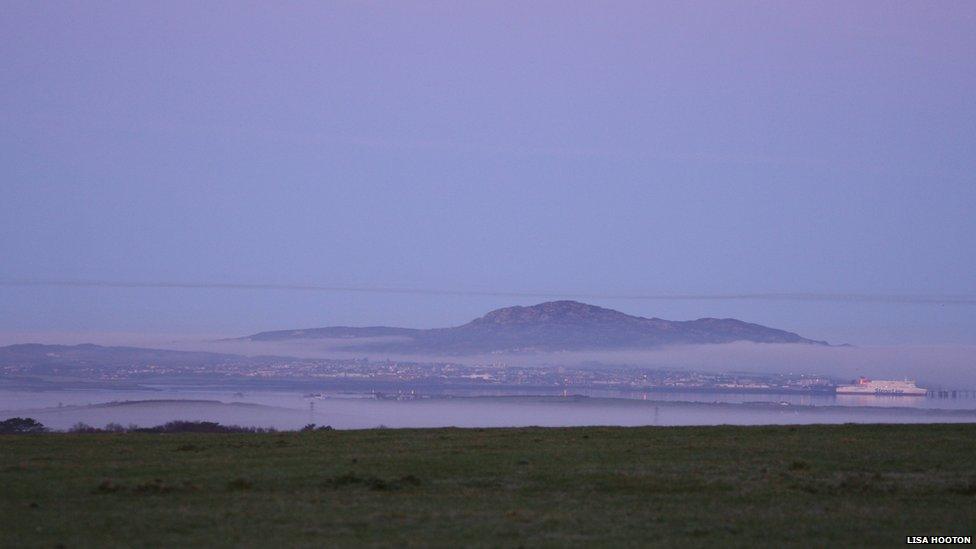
(550, 326)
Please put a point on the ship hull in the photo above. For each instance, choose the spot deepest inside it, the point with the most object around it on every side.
(881, 392)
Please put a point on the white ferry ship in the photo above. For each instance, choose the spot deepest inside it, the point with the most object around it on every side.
(865, 386)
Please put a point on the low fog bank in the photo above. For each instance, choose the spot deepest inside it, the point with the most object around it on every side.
(475, 412)
(934, 366)
(931, 365)
(950, 366)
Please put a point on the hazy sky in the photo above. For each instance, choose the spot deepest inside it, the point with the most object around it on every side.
(555, 147)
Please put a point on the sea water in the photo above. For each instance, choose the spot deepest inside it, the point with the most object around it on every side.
(291, 409)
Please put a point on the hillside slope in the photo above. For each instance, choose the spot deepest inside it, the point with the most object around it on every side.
(551, 326)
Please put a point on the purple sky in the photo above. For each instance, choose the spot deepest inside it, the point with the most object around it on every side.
(553, 147)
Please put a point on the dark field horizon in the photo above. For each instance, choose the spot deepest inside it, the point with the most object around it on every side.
(866, 485)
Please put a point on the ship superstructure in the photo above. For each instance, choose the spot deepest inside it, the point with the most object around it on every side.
(883, 387)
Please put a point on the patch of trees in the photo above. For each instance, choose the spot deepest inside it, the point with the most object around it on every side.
(26, 425)
(311, 427)
(172, 427)
(21, 426)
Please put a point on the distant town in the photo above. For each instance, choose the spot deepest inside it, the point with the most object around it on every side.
(365, 374)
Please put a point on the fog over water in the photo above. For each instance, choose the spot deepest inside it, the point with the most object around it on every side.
(293, 409)
(950, 366)
(933, 367)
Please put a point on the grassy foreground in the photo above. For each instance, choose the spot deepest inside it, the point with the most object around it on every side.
(850, 484)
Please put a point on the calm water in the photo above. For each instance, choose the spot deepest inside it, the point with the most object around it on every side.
(292, 409)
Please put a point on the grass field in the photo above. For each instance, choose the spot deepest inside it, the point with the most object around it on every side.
(848, 484)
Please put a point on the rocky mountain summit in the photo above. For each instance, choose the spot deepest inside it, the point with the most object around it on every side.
(550, 326)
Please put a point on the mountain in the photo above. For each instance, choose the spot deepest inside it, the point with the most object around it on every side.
(551, 326)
